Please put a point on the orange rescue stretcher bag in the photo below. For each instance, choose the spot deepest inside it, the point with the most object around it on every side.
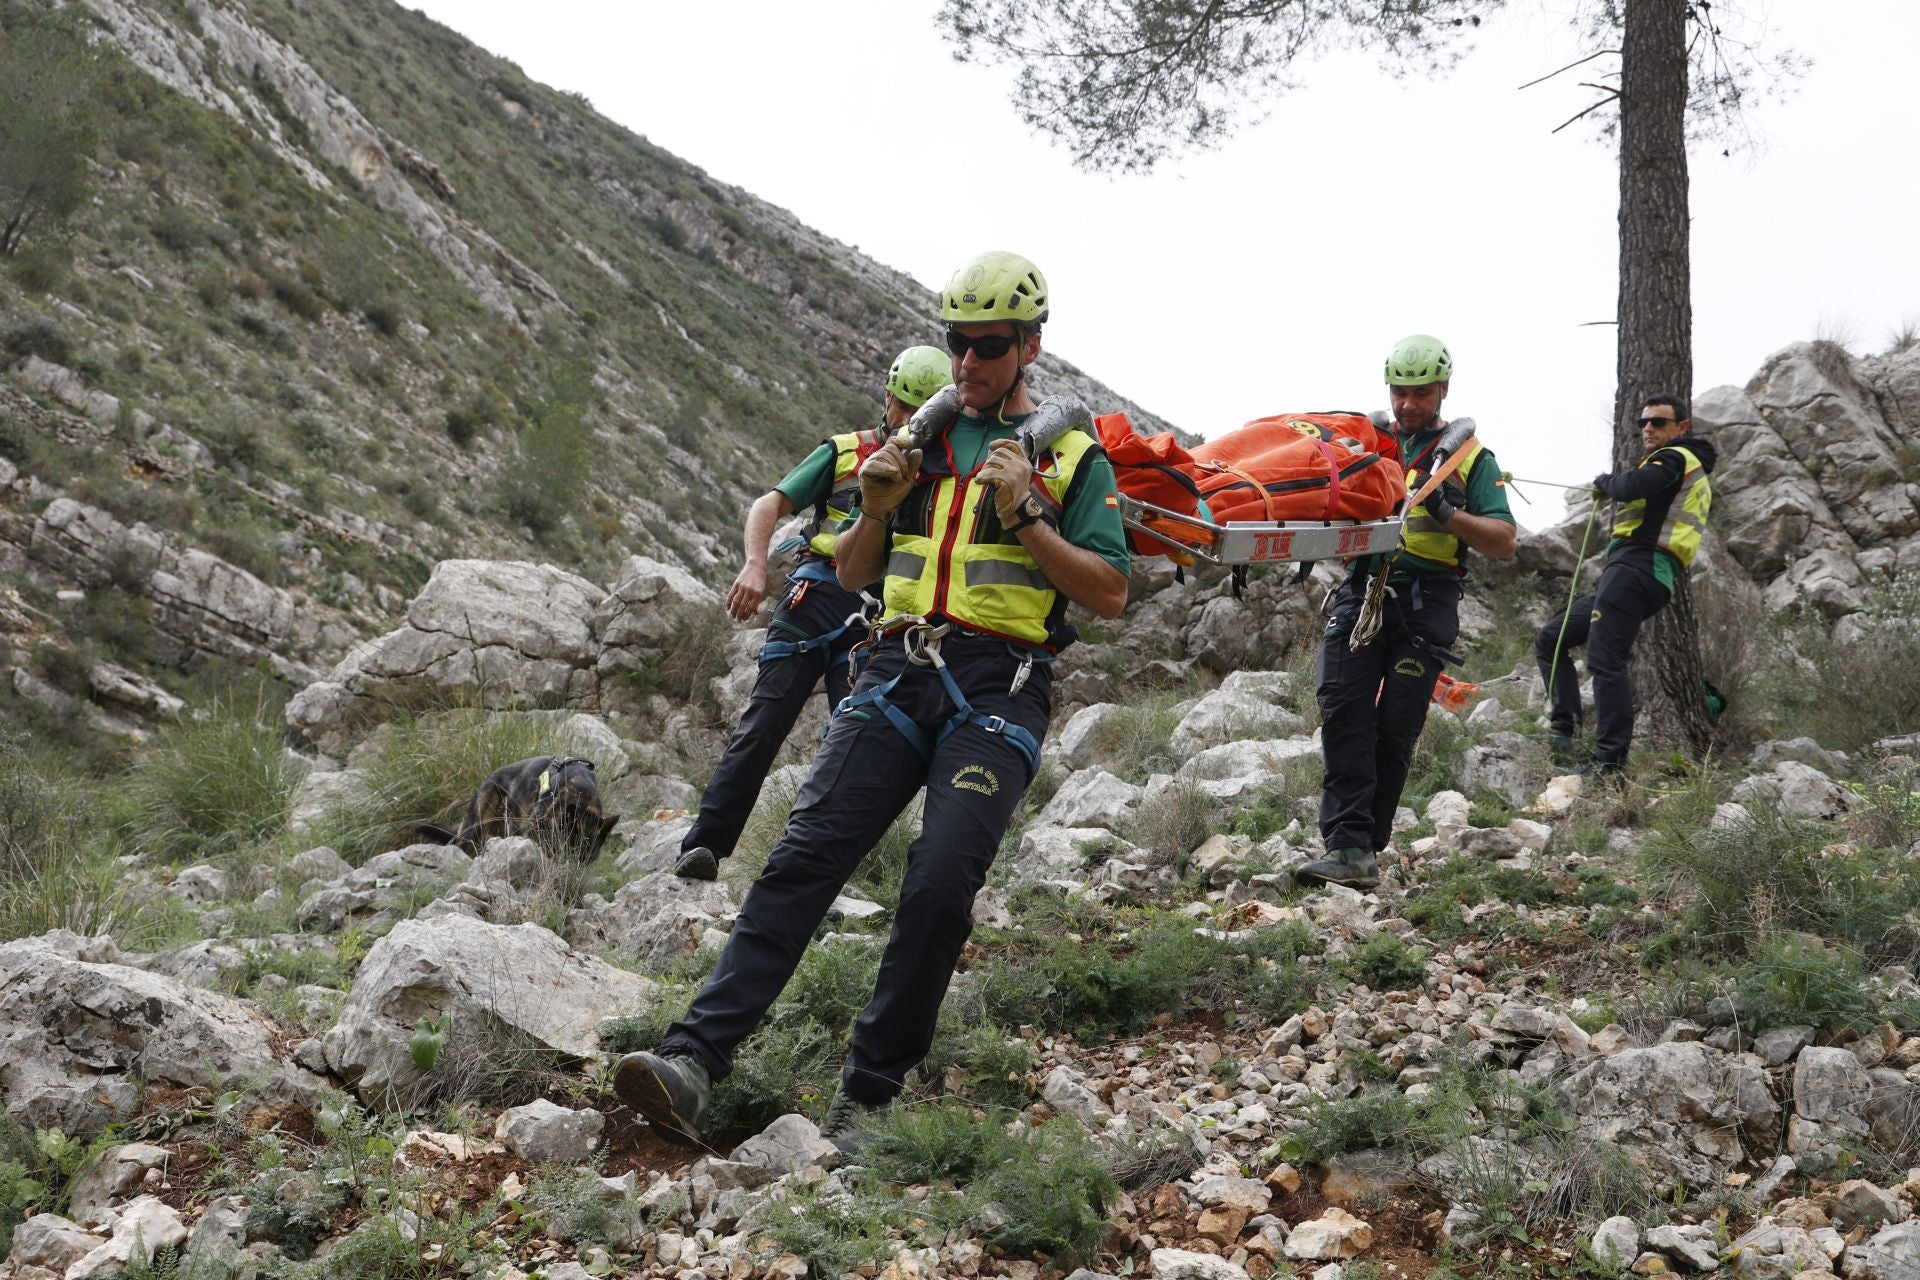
(1301, 466)
(1152, 469)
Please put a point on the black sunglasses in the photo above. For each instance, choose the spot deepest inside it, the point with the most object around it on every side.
(1658, 422)
(989, 347)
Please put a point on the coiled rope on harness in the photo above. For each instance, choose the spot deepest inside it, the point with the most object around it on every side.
(921, 639)
(1366, 627)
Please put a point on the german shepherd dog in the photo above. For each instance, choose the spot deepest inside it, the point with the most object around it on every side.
(554, 799)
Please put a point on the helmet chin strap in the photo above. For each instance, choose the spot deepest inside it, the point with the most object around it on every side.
(1019, 376)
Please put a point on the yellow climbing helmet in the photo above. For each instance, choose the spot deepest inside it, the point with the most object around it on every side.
(995, 286)
(917, 373)
(1417, 360)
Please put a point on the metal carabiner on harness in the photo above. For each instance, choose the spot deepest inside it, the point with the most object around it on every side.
(922, 642)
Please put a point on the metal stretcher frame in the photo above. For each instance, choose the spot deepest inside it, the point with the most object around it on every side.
(1262, 541)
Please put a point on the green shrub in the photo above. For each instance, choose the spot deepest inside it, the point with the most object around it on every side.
(1387, 963)
(1436, 763)
(1784, 981)
(1774, 873)
(218, 784)
(1096, 988)
(178, 229)
(543, 484)
(683, 669)
(572, 1206)
(994, 1061)
(1844, 693)
(37, 336)
(1174, 823)
(834, 1234)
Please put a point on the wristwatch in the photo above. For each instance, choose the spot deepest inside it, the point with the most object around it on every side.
(1030, 513)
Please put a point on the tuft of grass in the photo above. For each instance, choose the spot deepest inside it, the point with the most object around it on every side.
(217, 784)
(53, 872)
(1174, 823)
(425, 769)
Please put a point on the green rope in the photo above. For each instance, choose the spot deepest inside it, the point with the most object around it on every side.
(1573, 589)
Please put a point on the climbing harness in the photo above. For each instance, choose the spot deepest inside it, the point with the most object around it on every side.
(921, 639)
(1366, 628)
(805, 576)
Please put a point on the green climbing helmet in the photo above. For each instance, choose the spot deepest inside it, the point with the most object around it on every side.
(1415, 361)
(995, 286)
(917, 373)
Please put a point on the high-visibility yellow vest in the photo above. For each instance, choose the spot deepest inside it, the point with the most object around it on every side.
(1686, 517)
(951, 558)
(1424, 536)
(849, 451)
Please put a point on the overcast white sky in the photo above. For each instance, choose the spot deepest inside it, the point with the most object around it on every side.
(1274, 274)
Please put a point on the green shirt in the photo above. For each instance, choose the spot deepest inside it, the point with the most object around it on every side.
(1091, 519)
(811, 481)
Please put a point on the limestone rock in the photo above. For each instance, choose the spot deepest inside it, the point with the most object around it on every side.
(544, 1133)
(517, 980)
(114, 1175)
(144, 1227)
(505, 634)
(1185, 1264)
(1091, 798)
(1799, 790)
(47, 1244)
(1248, 704)
(1077, 744)
(1508, 764)
(788, 1145)
(1678, 1109)
(1333, 1236)
(656, 919)
(1066, 1090)
(75, 1036)
(1616, 1240)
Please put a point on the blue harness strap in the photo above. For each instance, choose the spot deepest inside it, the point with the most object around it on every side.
(774, 650)
(812, 570)
(964, 714)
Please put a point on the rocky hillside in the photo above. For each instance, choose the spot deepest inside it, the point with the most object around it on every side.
(351, 297)
(250, 1026)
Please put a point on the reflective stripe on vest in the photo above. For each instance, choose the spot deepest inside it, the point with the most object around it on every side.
(843, 498)
(942, 562)
(1686, 519)
(1424, 536)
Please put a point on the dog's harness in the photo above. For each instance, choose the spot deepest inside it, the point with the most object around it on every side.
(550, 777)
(922, 641)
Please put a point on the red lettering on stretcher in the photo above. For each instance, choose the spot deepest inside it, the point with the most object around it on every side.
(1273, 546)
(1353, 541)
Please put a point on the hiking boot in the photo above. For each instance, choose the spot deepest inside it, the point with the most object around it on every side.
(1562, 748)
(671, 1092)
(697, 863)
(1355, 868)
(843, 1124)
(1602, 770)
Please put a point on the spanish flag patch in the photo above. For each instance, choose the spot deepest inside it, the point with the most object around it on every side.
(1113, 500)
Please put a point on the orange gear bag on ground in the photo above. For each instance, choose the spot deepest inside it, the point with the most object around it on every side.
(1154, 469)
(1301, 466)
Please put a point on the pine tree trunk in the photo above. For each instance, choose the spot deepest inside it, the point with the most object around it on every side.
(1655, 353)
